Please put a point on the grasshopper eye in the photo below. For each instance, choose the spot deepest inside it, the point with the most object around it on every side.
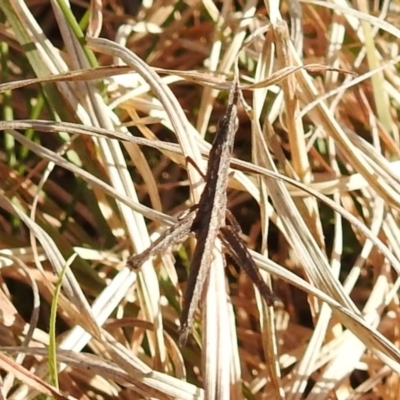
(236, 124)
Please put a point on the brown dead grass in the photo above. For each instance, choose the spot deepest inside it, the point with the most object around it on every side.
(94, 167)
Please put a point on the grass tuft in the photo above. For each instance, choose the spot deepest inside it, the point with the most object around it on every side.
(102, 109)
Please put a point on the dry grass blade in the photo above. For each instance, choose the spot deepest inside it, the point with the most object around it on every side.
(31, 379)
(173, 109)
(100, 160)
(357, 324)
(214, 367)
(70, 285)
(158, 384)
